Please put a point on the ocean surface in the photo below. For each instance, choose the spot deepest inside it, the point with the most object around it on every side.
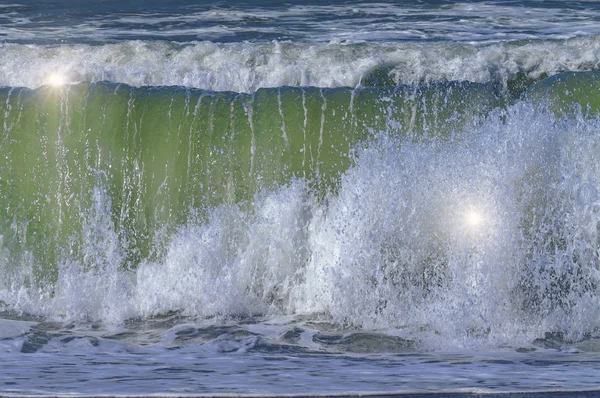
(304, 198)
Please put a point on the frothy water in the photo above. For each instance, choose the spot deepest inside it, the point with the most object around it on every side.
(299, 198)
(486, 238)
(249, 66)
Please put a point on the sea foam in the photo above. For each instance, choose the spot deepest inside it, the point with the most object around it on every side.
(393, 248)
(246, 67)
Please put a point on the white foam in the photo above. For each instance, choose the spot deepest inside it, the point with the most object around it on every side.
(235, 264)
(391, 250)
(246, 67)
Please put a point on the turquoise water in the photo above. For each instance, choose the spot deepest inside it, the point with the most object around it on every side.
(346, 198)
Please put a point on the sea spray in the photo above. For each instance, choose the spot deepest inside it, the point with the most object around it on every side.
(249, 66)
(308, 198)
(399, 249)
(163, 156)
(394, 247)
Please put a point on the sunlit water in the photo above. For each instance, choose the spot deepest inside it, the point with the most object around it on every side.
(356, 198)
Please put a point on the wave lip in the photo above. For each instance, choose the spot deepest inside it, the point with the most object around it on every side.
(247, 67)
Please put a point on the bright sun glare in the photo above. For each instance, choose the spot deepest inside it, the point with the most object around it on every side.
(473, 218)
(56, 79)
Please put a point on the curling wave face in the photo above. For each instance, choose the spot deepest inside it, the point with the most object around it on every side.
(444, 220)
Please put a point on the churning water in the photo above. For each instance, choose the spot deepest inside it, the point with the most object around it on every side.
(299, 198)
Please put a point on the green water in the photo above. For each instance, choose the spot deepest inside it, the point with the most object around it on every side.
(140, 162)
(567, 93)
(83, 160)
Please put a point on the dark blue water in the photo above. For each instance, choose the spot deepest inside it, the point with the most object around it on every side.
(101, 22)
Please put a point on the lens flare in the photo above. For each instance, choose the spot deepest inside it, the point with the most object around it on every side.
(56, 79)
(473, 218)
